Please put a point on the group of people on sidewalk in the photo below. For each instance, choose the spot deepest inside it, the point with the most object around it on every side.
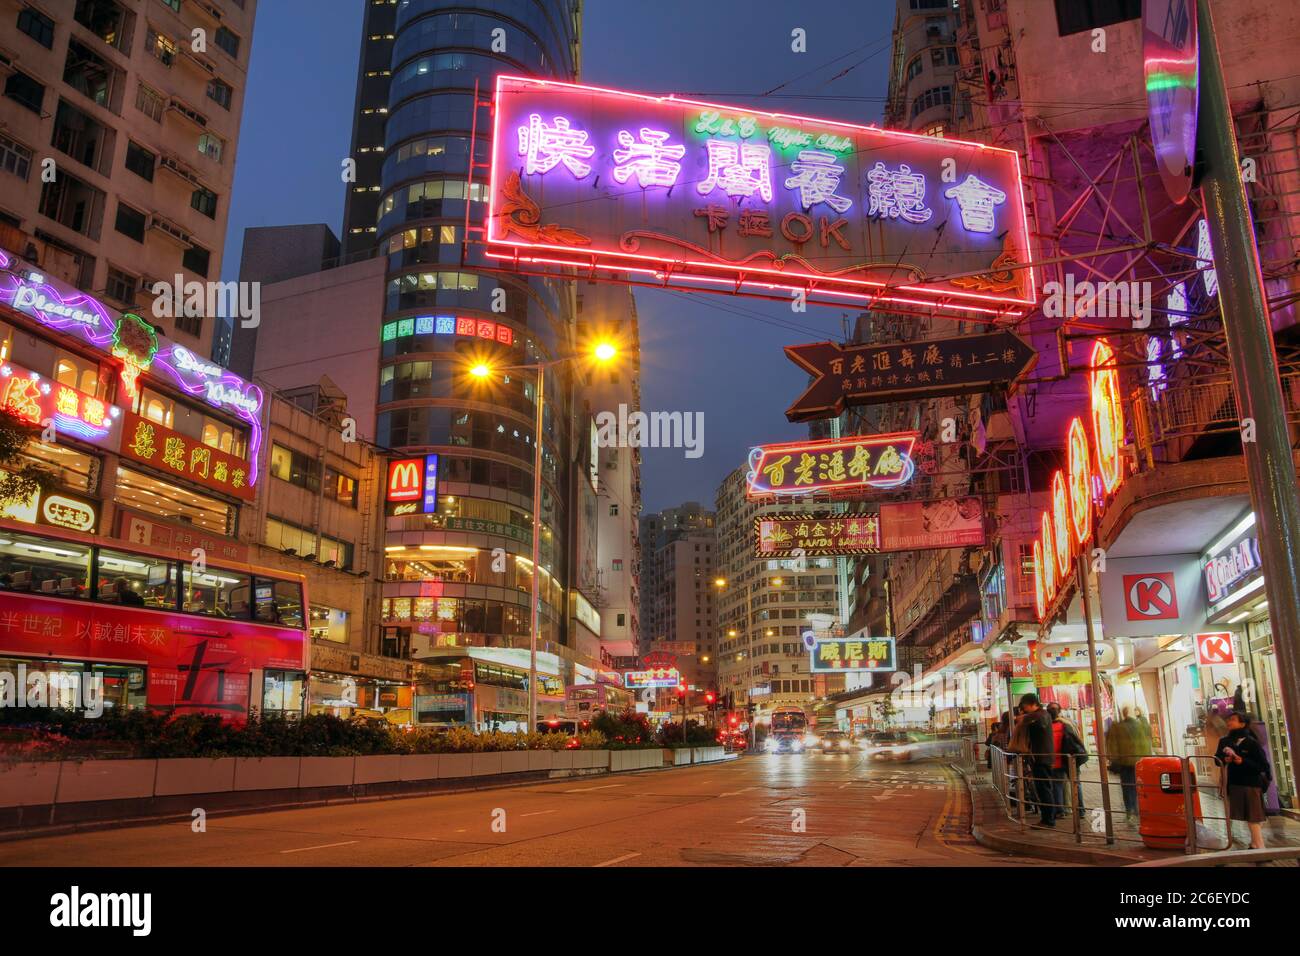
(1046, 742)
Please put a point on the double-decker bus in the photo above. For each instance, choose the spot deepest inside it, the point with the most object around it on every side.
(153, 630)
(584, 700)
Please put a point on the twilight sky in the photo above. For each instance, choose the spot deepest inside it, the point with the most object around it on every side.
(298, 120)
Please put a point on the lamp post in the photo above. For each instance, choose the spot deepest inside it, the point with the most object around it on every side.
(602, 353)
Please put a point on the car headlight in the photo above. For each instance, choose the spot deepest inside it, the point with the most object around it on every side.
(813, 740)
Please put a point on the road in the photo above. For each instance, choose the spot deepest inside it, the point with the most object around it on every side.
(762, 810)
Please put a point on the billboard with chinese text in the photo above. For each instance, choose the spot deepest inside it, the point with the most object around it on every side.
(839, 654)
(700, 195)
(853, 463)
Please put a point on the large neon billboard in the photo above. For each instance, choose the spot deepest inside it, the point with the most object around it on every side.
(700, 195)
(851, 464)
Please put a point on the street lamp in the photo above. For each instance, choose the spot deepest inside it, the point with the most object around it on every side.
(603, 353)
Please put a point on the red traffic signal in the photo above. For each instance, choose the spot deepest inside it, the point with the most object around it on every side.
(681, 689)
(710, 697)
(735, 720)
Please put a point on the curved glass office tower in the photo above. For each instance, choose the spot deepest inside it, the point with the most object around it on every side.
(459, 579)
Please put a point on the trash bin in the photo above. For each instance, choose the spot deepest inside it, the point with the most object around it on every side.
(1162, 807)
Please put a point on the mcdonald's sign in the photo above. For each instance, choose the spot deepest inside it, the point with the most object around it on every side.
(412, 486)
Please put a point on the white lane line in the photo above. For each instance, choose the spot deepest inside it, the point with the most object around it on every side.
(746, 820)
(618, 859)
(537, 813)
(733, 793)
(589, 789)
(845, 786)
(323, 846)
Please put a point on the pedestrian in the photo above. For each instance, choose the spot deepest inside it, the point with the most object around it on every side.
(997, 738)
(1248, 775)
(1125, 745)
(1145, 725)
(1039, 756)
(1069, 746)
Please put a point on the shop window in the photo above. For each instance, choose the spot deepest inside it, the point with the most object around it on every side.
(70, 469)
(78, 373)
(295, 467)
(135, 580)
(341, 488)
(329, 624)
(154, 496)
(35, 565)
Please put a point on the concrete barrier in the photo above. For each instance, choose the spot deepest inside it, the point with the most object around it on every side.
(106, 780)
(264, 773)
(194, 775)
(621, 760)
(29, 784)
(382, 768)
(326, 772)
(707, 754)
(420, 767)
(455, 765)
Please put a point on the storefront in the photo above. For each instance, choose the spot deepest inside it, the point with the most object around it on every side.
(349, 684)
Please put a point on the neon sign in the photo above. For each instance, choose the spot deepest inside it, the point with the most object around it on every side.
(859, 654)
(134, 342)
(40, 401)
(412, 486)
(694, 195)
(1065, 525)
(484, 329)
(853, 463)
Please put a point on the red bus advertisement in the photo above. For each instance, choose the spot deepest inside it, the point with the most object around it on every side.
(156, 630)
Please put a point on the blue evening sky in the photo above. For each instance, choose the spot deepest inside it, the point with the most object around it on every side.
(718, 354)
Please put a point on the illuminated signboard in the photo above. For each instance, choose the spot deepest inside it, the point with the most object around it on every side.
(412, 486)
(54, 508)
(786, 536)
(654, 677)
(448, 325)
(860, 653)
(131, 340)
(700, 195)
(1087, 481)
(180, 455)
(42, 401)
(853, 463)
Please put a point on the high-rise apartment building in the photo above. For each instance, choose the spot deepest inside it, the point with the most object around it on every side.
(118, 131)
(680, 601)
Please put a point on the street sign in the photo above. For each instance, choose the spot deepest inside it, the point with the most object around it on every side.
(1214, 649)
(1170, 62)
(849, 375)
(810, 535)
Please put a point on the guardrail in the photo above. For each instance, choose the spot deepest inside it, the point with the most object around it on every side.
(1149, 805)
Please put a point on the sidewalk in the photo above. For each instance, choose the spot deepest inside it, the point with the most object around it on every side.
(994, 828)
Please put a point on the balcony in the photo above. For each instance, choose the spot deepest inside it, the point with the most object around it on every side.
(186, 112)
(170, 230)
(171, 163)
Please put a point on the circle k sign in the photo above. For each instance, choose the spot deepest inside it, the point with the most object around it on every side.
(1214, 648)
(1150, 597)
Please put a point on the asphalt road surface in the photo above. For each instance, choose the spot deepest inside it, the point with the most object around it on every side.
(760, 810)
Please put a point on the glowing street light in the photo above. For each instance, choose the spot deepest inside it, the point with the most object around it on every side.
(605, 352)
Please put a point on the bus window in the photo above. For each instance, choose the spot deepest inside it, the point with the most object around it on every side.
(216, 591)
(278, 602)
(44, 566)
(135, 580)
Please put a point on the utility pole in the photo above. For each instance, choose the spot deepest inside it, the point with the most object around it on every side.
(1266, 440)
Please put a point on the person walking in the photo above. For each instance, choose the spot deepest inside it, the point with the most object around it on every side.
(1039, 756)
(1121, 748)
(1248, 775)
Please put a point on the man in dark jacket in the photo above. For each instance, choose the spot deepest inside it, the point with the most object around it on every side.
(1041, 756)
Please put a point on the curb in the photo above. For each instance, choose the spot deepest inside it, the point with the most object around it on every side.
(1025, 847)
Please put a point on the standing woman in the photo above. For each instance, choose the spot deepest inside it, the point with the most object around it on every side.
(1248, 775)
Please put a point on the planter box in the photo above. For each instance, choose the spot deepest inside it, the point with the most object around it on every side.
(540, 760)
(706, 754)
(195, 775)
(455, 765)
(106, 780)
(485, 765)
(266, 773)
(382, 768)
(29, 784)
(599, 759)
(562, 759)
(326, 772)
(677, 756)
(420, 766)
(514, 761)
(635, 759)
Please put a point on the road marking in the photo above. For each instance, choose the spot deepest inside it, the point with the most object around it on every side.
(618, 859)
(846, 785)
(746, 820)
(461, 830)
(323, 846)
(537, 813)
(733, 793)
(589, 789)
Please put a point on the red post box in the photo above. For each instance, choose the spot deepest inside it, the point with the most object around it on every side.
(1162, 804)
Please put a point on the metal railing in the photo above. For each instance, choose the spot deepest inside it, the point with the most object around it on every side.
(1151, 806)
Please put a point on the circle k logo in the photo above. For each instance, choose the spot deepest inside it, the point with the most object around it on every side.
(1150, 597)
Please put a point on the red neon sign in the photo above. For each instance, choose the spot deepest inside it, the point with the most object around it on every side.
(1067, 521)
(692, 193)
(852, 463)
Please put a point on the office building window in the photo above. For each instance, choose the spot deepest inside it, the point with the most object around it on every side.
(1076, 16)
(228, 41)
(15, 158)
(25, 91)
(140, 160)
(130, 222)
(149, 102)
(196, 259)
(37, 26)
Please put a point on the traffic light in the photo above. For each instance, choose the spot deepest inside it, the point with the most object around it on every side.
(681, 690)
(710, 697)
(734, 720)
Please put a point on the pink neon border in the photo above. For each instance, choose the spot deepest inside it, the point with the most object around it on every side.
(1009, 305)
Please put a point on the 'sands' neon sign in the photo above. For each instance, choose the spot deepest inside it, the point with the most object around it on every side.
(1065, 525)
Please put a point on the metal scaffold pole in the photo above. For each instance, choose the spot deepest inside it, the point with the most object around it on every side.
(1266, 441)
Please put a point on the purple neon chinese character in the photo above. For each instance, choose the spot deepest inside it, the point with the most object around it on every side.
(651, 159)
(741, 169)
(976, 200)
(897, 194)
(817, 176)
(545, 147)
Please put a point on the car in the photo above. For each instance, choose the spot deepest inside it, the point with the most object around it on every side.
(917, 746)
(836, 742)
